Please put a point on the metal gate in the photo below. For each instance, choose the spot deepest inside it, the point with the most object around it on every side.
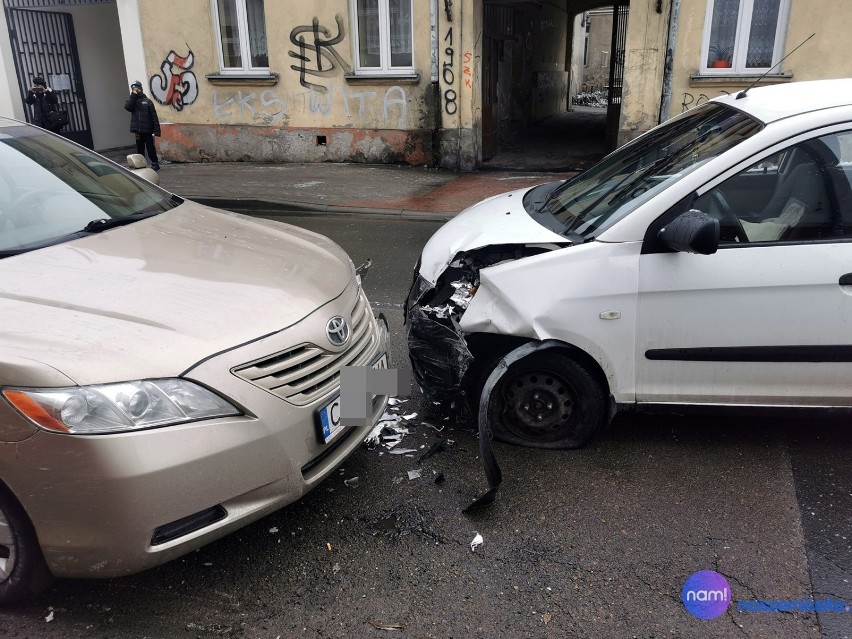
(43, 43)
(616, 71)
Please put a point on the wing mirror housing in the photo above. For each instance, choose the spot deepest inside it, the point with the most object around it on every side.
(691, 232)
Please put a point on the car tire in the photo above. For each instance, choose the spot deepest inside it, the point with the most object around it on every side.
(23, 572)
(546, 400)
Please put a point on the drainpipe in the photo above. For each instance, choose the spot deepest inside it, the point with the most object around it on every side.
(665, 100)
(433, 30)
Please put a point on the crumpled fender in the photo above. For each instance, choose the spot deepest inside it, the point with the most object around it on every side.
(513, 299)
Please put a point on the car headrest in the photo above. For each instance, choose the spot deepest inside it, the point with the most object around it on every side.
(136, 161)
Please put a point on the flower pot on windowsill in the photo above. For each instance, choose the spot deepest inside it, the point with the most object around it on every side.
(720, 64)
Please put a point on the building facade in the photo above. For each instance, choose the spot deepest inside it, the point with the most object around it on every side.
(436, 82)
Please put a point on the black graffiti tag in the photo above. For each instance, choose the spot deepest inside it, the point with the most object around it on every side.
(450, 96)
(323, 55)
(690, 101)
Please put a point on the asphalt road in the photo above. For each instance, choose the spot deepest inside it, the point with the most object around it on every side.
(589, 543)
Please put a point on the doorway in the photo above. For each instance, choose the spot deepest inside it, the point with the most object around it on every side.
(44, 44)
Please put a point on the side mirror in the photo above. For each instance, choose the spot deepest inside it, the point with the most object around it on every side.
(691, 232)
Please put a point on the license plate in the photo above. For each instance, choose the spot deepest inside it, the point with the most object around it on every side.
(329, 415)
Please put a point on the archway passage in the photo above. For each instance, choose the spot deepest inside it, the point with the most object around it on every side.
(535, 57)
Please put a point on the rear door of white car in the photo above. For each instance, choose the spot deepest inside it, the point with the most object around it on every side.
(767, 319)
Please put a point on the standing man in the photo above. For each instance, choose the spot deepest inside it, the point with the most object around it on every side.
(144, 123)
(43, 101)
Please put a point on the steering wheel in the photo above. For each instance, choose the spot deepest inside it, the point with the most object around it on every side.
(732, 229)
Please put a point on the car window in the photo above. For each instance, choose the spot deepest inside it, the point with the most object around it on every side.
(801, 194)
(596, 199)
(51, 189)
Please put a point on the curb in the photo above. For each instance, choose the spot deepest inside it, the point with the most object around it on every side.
(249, 206)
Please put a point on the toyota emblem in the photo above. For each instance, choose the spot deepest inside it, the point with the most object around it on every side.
(337, 330)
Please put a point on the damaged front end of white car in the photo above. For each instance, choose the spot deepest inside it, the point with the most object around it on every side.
(461, 325)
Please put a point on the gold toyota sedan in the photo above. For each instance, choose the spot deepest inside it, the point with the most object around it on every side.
(169, 372)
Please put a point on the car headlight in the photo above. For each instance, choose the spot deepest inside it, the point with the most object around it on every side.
(113, 408)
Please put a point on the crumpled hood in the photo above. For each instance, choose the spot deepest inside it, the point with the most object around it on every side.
(501, 219)
(152, 298)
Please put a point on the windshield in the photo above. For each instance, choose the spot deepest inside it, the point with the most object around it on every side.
(51, 190)
(596, 199)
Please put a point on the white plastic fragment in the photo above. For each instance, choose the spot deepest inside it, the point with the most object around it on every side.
(440, 312)
(49, 617)
(352, 482)
(403, 451)
(273, 530)
(463, 294)
(477, 541)
(413, 474)
(409, 416)
(393, 401)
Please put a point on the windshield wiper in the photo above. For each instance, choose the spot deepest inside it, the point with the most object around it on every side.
(103, 224)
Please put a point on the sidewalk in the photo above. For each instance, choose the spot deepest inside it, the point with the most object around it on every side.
(360, 188)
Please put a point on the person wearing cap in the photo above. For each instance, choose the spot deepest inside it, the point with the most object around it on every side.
(43, 100)
(144, 123)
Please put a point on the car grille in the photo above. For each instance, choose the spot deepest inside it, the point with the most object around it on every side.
(304, 373)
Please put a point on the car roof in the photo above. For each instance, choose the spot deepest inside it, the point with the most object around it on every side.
(779, 101)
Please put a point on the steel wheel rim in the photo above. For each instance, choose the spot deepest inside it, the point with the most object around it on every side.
(539, 405)
(8, 548)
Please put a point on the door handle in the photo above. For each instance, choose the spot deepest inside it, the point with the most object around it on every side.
(846, 280)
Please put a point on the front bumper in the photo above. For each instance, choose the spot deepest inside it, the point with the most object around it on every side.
(439, 354)
(101, 504)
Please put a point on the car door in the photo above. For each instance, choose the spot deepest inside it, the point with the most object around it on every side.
(767, 319)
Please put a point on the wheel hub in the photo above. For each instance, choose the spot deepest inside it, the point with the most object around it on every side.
(8, 552)
(538, 403)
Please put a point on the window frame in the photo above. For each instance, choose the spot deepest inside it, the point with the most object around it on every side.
(244, 39)
(385, 68)
(743, 165)
(741, 38)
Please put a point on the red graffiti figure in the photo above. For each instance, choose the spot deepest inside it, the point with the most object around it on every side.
(178, 86)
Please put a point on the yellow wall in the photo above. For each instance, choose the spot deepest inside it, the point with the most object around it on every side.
(285, 118)
(816, 60)
(373, 104)
(647, 33)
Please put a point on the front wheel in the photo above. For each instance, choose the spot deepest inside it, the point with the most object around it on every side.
(23, 571)
(547, 400)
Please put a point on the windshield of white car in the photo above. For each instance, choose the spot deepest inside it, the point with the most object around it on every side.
(597, 198)
(53, 191)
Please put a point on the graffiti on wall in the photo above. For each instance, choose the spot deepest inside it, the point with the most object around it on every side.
(271, 105)
(264, 107)
(690, 100)
(318, 58)
(177, 86)
(467, 69)
(451, 105)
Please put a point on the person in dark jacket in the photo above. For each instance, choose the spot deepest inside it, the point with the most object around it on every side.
(43, 100)
(144, 123)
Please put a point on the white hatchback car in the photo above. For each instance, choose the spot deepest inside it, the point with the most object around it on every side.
(708, 262)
